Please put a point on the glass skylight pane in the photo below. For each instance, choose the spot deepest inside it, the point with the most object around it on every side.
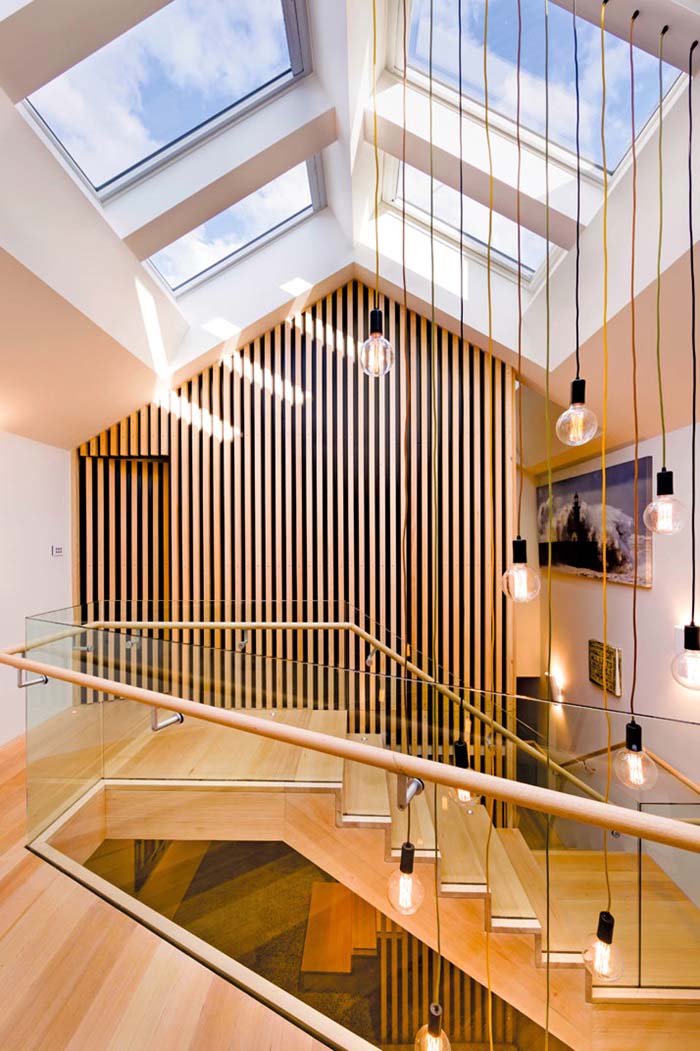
(222, 237)
(504, 240)
(503, 39)
(162, 79)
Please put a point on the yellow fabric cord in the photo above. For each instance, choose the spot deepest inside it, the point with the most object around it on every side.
(492, 631)
(604, 443)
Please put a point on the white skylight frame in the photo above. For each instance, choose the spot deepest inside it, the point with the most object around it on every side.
(472, 246)
(299, 44)
(319, 201)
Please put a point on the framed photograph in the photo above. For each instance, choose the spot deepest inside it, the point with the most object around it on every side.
(577, 519)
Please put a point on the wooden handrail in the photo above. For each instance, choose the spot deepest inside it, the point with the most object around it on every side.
(403, 662)
(664, 830)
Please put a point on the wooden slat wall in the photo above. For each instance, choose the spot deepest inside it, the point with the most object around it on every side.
(407, 973)
(276, 477)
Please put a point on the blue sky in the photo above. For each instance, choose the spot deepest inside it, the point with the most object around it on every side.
(503, 31)
(156, 82)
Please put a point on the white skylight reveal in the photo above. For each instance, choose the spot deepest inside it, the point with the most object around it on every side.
(217, 242)
(504, 241)
(169, 76)
(502, 68)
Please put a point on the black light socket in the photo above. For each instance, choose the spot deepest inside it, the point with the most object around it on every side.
(408, 856)
(691, 637)
(633, 737)
(606, 926)
(578, 392)
(435, 1020)
(519, 550)
(376, 322)
(461, 755)
(664, 483)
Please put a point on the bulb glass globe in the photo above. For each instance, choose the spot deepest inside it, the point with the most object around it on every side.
(685, 668)
(665, 515)
(405, 892)
(425, 1041)
(376, 356)
(635, 770)
(577, 425)
(602, 959)
(521, 583)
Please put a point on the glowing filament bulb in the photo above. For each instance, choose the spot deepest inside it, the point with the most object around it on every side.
(600, 956)
(665, 514)
(405, 890)
(685, 666)
(578, 424)
(376, 353)
(634, 768)
(520, 583)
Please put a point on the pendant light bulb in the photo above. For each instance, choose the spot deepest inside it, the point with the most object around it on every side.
(463, 796)
(600, 956)
(376, 353)
(685, 666)
(520, 582)
(578, 424)
(665, 514)
(432, 1037)
(405, 890)
(633, 767)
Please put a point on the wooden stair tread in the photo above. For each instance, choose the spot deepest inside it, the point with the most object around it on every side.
(328, 941)
(422, 830)
(533, 877)
(461, 851)
(509, 899)
(364, 927)
(365, 792)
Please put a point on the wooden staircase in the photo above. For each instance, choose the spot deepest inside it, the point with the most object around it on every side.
(515, 892)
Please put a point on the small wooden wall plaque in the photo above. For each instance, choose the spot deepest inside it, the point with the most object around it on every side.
(613, 667)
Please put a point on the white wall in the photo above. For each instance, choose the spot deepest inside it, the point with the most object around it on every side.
(34, 514)
(577, 616)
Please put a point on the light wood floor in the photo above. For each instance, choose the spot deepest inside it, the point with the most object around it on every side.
(75, 973)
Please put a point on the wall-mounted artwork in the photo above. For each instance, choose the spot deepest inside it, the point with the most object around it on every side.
(577, 516)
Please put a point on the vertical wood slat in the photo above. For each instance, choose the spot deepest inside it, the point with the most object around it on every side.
(282, 478)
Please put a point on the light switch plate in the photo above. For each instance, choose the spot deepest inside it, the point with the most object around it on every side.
(57, 551)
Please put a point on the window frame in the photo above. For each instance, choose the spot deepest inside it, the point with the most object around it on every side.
(314, 169)
(299, 44)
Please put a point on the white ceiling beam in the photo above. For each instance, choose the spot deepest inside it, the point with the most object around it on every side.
(205, 181)
(276, 277)
(675, 238)
(681, 16)
(447, 274)
(43, 38)
(475, 164)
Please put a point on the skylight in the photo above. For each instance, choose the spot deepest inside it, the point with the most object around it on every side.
(165, 78)
(504, 240)
(503, 33)
(217, 242)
